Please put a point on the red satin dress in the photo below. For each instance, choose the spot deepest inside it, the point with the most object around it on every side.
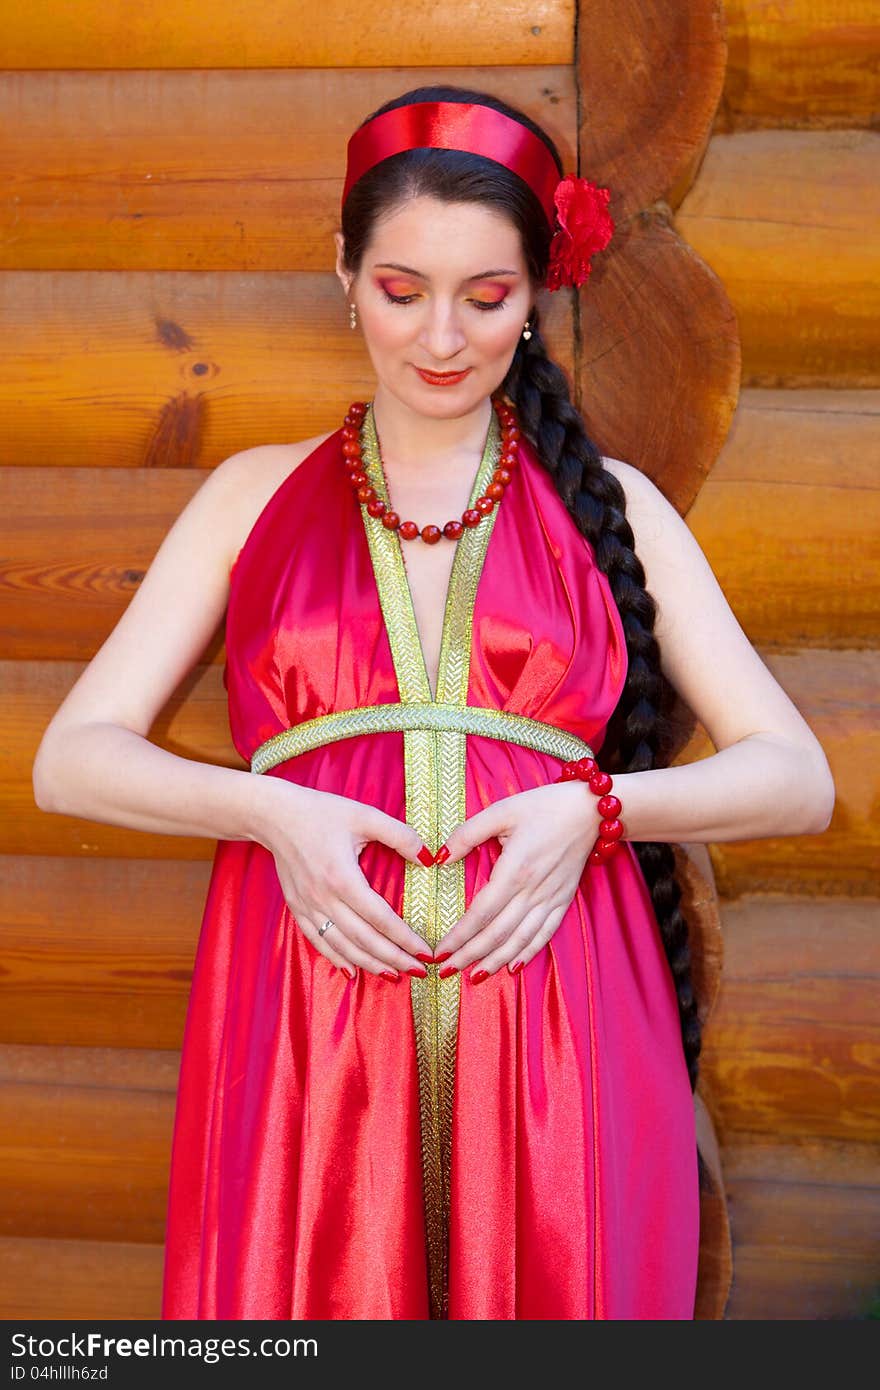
(307, 1179)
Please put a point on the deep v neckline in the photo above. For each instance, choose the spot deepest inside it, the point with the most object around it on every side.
(395, 593)
(415, 622)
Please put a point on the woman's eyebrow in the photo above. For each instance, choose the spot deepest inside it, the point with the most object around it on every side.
(408, 270)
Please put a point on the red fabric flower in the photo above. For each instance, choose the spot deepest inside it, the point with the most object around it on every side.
(585, 226)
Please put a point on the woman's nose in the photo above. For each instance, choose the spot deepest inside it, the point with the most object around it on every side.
(442, 334)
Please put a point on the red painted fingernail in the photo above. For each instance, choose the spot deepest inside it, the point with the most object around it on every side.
(419, 971)
(476, 976)
(347, 970)
(444, 955)
(447, 970)
(425, 956)
(389, 975)
(517, 965)
(442, 855)
(425, 856)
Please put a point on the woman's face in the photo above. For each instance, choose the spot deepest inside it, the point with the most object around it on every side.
(442, 287)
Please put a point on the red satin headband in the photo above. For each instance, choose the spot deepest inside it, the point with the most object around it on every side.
(575, 208)
(455, 125)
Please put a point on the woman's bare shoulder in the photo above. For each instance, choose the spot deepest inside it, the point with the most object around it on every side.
(639, 488)
(654, 520)
(251, 477)
(704, 650)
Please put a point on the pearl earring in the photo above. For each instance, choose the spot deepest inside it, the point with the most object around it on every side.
(352, 315)
(527, 331)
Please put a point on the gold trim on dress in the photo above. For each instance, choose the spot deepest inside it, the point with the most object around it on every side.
(434, 762)
(398, 717)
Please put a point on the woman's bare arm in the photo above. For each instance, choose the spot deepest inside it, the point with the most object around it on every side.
(770, 775)
(94, 759)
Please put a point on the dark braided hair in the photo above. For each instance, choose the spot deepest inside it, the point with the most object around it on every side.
(639, 732)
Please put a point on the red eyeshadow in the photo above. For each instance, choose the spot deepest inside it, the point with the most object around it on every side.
(493, 293)
(397, 286)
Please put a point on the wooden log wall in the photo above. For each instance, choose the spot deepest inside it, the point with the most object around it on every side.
(167, 297)
(784, 208)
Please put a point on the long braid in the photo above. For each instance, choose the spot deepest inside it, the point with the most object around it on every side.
(638, 730)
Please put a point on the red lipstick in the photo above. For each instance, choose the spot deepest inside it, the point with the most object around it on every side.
(442, 378)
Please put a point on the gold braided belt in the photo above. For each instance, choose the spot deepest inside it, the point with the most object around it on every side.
(390, 718)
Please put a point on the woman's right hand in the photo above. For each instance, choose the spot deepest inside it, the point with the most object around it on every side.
(316, 838)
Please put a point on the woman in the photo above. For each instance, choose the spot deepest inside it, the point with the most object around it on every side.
(422, 1082)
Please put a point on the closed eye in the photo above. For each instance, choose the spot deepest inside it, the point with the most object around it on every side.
(480, 304)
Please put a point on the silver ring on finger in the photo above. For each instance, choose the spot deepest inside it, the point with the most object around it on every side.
(326, 927)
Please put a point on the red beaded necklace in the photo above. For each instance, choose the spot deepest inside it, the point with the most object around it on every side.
(472, 516)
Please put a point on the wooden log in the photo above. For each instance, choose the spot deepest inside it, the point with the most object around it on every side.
(789, 518)
(122, 1105)
(166, 370)
(124, 171)
(794, 1042)
(782, 217)
(79, 1280)
(653, 314)
(651, 75)
(86, 1154)
(77, 543)
(800, 65)
(98, 952)
(804, 1216)
(286, 34)
(99, 1068)
(45, 1278)
(193, 724)
(795, 469)
(836, 694)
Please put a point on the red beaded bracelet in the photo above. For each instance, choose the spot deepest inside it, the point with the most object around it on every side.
(610, 828)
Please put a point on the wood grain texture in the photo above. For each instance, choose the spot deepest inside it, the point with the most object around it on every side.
(230, 170)
(658, 359)
(79, 1280)
(650, 75)
(794, 1043)
(98, 953)
(789, 518)
(784, 218)
(836, 692)
(76, 544)
(117, 1102)
(193, 724)
(84, 1159)
(282, 34)
(804, 64)
(652, 313)
(164, 370)
(96, 1068)
(804, 1216)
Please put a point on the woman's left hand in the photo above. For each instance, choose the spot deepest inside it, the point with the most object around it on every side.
(546, 834)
